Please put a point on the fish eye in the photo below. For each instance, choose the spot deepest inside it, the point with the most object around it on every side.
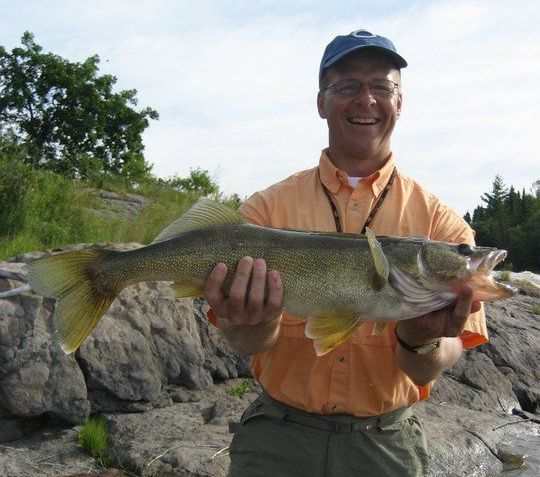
(465, 249)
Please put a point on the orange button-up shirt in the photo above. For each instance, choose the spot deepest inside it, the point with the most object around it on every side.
(361, 376)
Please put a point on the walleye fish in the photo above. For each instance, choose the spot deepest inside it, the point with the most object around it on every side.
(337, 281)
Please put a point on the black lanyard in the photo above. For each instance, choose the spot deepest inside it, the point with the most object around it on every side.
(337, 218)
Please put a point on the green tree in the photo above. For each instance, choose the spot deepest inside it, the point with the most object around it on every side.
(494, 200)
(68, 117)
(511, 221)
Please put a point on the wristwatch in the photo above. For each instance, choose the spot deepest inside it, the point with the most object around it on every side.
(420, 349)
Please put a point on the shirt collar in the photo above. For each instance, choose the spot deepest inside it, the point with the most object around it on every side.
(333, 178)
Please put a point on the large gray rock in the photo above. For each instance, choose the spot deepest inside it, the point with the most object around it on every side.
(146, 340)
(161, 374)
(36, 378)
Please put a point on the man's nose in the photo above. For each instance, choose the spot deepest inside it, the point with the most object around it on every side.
(365, 97)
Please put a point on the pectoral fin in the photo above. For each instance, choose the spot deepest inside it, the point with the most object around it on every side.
(380, 261)
(330, 330)
(186, 287)
(378, 328)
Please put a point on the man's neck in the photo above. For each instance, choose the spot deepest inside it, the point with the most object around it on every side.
(356, 166)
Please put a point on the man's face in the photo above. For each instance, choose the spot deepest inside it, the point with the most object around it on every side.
(360, 127)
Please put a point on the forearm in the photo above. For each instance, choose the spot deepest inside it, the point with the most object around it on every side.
(251, 339)
(425, 368)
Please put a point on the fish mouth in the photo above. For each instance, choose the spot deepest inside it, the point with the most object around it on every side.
(485, 265)
(481, 280)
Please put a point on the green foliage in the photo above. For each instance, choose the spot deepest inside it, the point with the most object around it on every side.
(198, 183)
(510, 220)
(40, 209)
(536, 309)
(233, 201)
(93, 436)
(36, 204)
(240, 389)
(67, 117)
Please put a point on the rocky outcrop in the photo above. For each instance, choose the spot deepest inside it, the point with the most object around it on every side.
(161, 375)
(109, 204)
(146, 341)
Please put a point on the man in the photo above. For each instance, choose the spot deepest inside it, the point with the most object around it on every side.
(347, 412)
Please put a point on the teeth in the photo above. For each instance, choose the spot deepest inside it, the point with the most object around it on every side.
(485, 265)
(363, 120)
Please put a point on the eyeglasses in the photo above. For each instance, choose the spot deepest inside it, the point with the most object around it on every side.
(350, 87)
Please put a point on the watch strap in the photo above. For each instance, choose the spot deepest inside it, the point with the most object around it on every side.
(420, 349)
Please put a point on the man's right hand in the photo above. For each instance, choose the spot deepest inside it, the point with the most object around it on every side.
(248, 318)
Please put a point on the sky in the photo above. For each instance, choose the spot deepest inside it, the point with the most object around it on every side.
(235, 82)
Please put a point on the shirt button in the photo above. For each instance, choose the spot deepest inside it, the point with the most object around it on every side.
(341, 358)
(355, 206)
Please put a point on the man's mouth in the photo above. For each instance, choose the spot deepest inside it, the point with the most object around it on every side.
(363, 121)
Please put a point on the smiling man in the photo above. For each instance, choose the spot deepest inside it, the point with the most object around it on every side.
(348, 412)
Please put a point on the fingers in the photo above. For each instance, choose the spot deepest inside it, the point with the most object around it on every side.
(255, 301)
(238, 291)
(213, 289)
(246, 303)
(461, 312)
(274, 302)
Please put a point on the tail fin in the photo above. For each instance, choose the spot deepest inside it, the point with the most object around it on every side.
(71, 278)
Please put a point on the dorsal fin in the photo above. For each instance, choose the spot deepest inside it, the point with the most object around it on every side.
(203, 213)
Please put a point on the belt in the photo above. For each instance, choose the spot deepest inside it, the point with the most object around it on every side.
(339, 423)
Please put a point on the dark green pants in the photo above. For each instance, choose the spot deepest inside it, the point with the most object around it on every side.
(276, 441)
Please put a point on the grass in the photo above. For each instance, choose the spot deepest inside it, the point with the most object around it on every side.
(41, 210)
(536, 309)
(93, 436)
(94, 439)
(240, 389)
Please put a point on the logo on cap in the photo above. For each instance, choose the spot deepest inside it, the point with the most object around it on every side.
(363, 34)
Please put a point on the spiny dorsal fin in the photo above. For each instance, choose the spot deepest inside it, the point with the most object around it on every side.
(379, 260)
(330, 330)
(203, 213)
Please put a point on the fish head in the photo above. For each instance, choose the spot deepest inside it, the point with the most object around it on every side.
(430, 273)
(456, 265)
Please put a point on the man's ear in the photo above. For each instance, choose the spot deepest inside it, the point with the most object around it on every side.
(399, 103)
(320, 104)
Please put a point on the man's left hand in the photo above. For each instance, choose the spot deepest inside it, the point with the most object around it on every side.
(447, 322)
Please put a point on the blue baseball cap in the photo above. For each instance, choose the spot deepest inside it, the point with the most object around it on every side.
(344, 44)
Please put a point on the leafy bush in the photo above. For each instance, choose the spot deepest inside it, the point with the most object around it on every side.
(198, 182)
(41, 210)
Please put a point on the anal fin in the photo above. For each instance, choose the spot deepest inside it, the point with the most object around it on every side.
(330, 330)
